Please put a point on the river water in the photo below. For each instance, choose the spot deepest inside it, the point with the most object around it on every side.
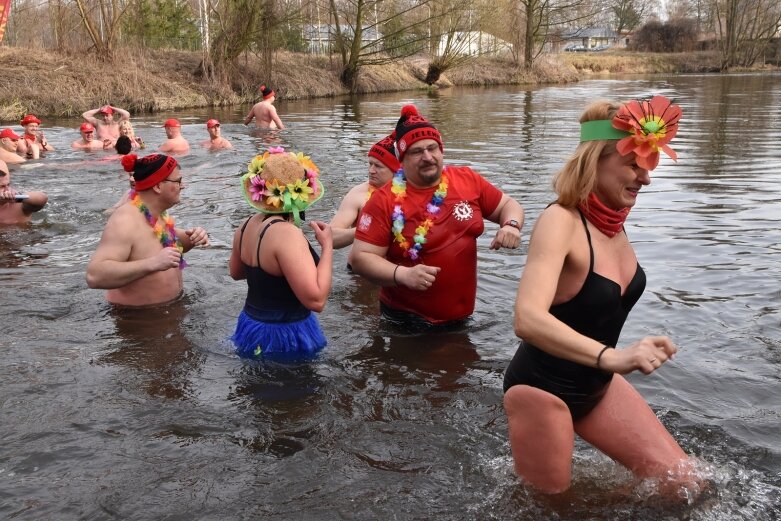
(149, 415)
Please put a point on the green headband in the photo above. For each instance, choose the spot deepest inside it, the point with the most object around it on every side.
(601, 129)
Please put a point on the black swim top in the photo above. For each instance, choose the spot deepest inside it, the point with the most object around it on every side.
(598, 311)
(269, 297)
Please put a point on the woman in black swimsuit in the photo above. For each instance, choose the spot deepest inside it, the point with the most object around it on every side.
(580, 281)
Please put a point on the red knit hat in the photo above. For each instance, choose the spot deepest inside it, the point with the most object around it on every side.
(413, 127)
(87, 127)
(149, 170)
(384, 152)
(172, 123)
(212, 123)
(267, 92)
(29, 118)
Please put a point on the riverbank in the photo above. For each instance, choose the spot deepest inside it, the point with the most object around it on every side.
(58, 84)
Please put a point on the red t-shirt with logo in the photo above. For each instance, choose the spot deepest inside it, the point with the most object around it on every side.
(451, 244)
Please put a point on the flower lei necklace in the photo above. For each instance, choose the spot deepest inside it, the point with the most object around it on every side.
(399, 187)
(162, 226)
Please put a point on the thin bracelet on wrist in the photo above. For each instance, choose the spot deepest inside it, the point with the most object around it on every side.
(395, 282)
(599, 356)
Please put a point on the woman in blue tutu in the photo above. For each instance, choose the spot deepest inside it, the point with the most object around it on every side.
(286, 279)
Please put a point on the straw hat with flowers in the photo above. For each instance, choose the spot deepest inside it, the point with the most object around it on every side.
(282, 182)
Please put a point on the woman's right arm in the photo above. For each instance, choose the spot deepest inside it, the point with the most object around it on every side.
(549, 246)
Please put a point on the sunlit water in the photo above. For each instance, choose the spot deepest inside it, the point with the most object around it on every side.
(149, 415)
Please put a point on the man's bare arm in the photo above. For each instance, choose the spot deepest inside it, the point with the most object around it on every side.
(110, 268)
(89, 116)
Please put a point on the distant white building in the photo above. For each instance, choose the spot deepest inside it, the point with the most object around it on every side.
(320, 38)
(473, 43)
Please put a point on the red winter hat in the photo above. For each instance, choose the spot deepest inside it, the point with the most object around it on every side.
(106, 110)
(7, 132)
(172, 123)
(413, 127)
(87, 127)
(149, 170)
(384, 152)
(267, 92)
(29, 118)
(212, 123)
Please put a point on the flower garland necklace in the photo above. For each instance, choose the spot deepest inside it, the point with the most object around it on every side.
(399, 188)
(162, 226)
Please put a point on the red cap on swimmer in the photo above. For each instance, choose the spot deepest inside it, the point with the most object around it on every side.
(29, 118)
(413, 127)
(87, 127)
(149, 170)
(8, 133)
(212, 123)
(172, 123)
(106, 110)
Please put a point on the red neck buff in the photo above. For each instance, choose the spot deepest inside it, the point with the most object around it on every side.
(608, 221)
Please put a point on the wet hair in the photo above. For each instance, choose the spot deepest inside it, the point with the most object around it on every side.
(578, 177)
(123, 145)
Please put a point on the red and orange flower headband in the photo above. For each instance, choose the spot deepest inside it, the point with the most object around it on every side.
(643, 127)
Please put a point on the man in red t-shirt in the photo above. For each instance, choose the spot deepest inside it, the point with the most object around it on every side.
(417, 236)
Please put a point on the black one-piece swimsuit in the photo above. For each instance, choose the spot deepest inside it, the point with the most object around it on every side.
(598, 311)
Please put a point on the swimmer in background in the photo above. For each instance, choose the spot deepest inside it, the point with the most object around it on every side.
(107, 127)
(88, 141)
(215, 141)
(33, 144)
(175, 142)
(264, 113)
(17, 207)
(9, 145)
(126, 129)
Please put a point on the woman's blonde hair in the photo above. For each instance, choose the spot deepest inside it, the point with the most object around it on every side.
(577, 178)
(125, 123)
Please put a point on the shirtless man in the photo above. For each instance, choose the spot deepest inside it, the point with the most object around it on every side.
(382, 165)
(216, 141)
(264, 113)
(136, 265)
(175, 143)
(88, 141)
(107, 127)
(33, 144)
(17, 207)
(9, 145)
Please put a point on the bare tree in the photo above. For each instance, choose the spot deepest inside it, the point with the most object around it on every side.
(403, 35)
(101, 19)
(745, 28)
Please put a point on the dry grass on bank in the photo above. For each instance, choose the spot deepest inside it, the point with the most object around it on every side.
(495, 71)
(625, 62)
(144, 80)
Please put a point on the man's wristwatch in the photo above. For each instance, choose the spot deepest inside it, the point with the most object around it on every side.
(513, 223)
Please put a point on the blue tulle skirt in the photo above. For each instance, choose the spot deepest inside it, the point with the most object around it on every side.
(257, 339)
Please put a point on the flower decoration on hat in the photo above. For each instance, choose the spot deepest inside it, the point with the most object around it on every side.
(282, 182)
(651, 126)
